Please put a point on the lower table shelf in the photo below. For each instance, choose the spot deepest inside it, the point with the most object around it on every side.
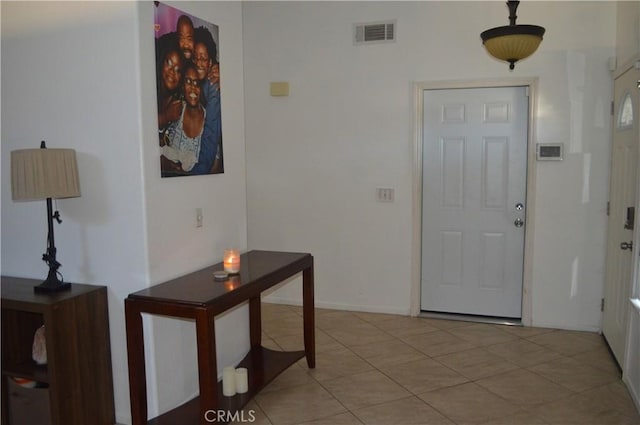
(263, 366)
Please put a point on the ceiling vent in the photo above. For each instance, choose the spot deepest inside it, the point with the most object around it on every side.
(375, 32)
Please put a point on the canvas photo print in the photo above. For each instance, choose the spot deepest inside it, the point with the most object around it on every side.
(188, 88)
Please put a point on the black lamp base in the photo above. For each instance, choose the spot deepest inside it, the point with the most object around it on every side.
(52, 285)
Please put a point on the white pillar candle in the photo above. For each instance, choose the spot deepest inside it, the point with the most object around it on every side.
(229, 381)
(242, 380)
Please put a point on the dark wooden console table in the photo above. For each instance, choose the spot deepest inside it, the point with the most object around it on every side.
(198, 296)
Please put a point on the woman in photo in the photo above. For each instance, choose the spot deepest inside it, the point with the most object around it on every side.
(184, 136)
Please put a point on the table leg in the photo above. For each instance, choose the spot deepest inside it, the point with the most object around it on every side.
(5, 400)
(308, 312)
(137, 373)
(255, 322)
(207, 364)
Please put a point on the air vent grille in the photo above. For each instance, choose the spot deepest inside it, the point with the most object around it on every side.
(375, 32)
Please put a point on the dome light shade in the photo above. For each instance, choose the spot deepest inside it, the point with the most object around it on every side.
(512, 42)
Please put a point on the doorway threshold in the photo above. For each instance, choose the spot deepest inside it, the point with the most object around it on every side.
(507, 321)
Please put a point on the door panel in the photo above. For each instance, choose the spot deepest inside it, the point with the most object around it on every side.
(622, 195)
(453, 172)
(492, 261)
(474, 174)
(495, 173)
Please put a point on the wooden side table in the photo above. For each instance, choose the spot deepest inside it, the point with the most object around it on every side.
(197, 296)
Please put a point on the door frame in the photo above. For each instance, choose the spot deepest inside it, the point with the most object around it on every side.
(416, 249)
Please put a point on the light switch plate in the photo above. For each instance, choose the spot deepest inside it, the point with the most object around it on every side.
(385, 194)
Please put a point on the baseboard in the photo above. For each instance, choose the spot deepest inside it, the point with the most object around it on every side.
(595, 329)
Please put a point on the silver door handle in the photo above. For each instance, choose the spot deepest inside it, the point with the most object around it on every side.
(518, 222)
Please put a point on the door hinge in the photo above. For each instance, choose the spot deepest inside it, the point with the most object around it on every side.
(608, 207)
(611, 112)
(602, 304)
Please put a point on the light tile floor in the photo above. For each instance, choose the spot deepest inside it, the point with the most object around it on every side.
(395, 370)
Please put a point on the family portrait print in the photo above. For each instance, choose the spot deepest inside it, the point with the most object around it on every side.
(188, 88)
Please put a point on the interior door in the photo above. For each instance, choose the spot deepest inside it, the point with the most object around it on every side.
(622, 200)
(473, 200)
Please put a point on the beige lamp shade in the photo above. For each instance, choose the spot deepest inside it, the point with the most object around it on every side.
(44, 173)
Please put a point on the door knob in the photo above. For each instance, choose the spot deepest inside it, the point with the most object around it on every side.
(627, 245)
(519, 206)
(518, 222)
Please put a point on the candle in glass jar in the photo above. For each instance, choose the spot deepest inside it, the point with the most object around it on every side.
(231, 261)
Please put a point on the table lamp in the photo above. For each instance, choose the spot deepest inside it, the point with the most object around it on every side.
(38, 174)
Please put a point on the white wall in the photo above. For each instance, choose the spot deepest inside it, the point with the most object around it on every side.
(627, 30)
(68, 78)
(315, 158)
(81, 75)
(175, 245)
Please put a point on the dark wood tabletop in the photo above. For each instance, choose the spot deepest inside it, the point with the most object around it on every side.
(257, 269)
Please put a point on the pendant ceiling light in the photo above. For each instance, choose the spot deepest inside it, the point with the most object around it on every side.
(512, 42)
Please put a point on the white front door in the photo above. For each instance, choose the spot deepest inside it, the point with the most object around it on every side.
(622, 197)
(473, 200)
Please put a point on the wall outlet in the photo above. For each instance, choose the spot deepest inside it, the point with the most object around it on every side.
(385, 194)
(199, 217)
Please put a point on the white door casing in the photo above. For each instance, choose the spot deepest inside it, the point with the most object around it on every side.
(622, 195)
(474, 176)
